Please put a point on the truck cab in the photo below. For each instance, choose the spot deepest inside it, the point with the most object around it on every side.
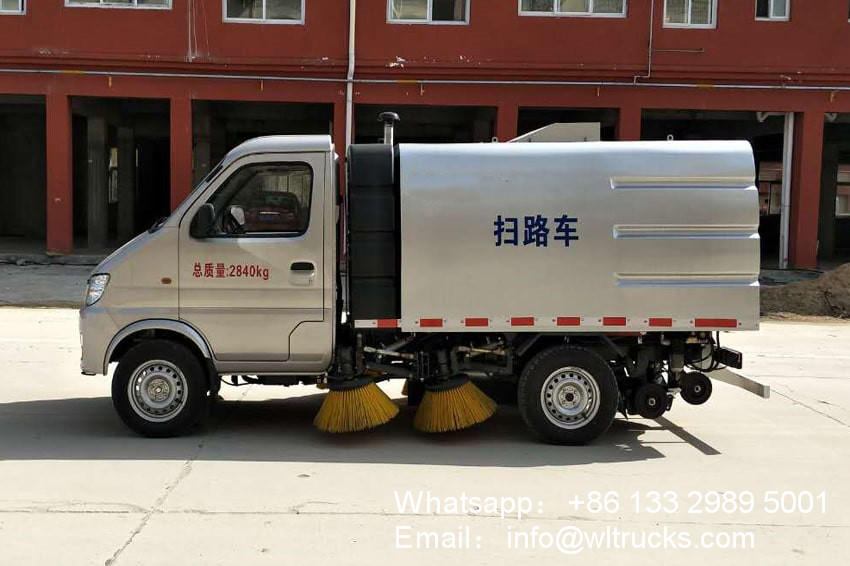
(241, 275)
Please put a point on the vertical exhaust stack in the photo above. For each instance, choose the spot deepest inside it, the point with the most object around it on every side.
(389, 119)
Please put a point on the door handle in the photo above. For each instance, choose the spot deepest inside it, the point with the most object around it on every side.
(303, 266)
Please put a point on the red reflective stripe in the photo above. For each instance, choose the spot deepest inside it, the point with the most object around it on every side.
(387, 323)
(716, 323)
(569, 321)
(477, 322)
(666, 322)
(431, 322)
(522, 321)
(614, 321)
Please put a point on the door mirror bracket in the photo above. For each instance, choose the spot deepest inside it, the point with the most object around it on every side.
(202, 223)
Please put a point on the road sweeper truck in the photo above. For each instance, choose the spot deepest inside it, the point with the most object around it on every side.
(589, 279)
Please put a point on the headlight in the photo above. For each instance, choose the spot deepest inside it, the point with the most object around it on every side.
(97, 285)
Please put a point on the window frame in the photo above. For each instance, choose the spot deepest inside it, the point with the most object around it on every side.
(556, 14)
(429, 21)
(711, 25)
(106, 4)
(225, 18)
(284, 235)
(770, 17)
(19, 12)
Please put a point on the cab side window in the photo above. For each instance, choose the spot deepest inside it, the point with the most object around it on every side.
(265, 199)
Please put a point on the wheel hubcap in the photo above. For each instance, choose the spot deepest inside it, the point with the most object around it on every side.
(570, 397)
(157, 391)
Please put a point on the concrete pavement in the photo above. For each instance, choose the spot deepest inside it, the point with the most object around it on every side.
(43, 285)
(260, 486)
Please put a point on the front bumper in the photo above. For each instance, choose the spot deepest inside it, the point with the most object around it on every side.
(96, 332)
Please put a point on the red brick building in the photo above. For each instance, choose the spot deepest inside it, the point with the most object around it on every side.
(111, 109)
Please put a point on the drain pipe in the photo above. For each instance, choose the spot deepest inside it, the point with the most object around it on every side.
(349, 82)
(419, 82)
(648, 74)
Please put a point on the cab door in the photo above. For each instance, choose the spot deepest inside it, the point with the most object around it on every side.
(259, 273)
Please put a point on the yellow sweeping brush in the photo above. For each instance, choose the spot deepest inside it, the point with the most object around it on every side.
(454, 404)
(354, 405)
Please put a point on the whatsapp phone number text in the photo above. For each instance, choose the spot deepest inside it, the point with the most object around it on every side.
(702, 502)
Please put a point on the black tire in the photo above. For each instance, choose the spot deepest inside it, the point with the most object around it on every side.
(544, 366)
(695, 388)
(191, 405)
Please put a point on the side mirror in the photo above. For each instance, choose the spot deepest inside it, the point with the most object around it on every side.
(237, 213)
(202, 223)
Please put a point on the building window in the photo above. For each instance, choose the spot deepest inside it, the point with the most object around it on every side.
(772, 9)
(11, 6)
(690, 13)
(429, 11)
(264, 11)
(608, 8)
(119, 3)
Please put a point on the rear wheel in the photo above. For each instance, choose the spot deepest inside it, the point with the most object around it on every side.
(568, 395)
(159, 389)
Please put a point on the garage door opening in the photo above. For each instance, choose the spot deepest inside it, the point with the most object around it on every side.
(23, 174)
(121, 169)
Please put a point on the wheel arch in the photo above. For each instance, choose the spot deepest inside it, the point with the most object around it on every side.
(528, 346)
(174, 330)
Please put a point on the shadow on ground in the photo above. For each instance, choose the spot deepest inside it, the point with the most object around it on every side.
(281, 430)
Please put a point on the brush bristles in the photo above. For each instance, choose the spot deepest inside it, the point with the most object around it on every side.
(355, 409)
(453, 409)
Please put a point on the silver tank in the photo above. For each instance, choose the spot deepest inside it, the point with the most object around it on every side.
(596, 237)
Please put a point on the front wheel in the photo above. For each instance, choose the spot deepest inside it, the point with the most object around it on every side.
(159, 389)
(568, 395)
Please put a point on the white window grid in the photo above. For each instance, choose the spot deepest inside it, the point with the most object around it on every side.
(771, 17)
(712, 13)
(20, 10)
(589, 14)
(428, 20)
(110, 4)
(263, 20)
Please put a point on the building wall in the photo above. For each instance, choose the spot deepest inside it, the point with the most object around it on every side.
(812, 46)
(62, 52)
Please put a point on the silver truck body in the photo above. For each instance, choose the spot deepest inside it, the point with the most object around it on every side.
(667, 241)
(667, 237)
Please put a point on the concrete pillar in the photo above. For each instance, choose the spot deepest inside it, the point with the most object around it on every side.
(97, 182)
(482, 130)
(218, 139)
(202, 142)
(628, 123)
(805, 189)
(828, 192)
(507, 122)
(60, 202)
(181, 150)
(126, 184)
